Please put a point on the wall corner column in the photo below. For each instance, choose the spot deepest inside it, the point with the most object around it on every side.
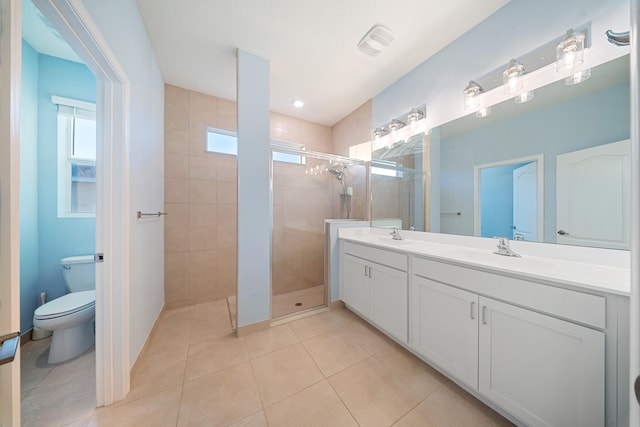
(254, 193)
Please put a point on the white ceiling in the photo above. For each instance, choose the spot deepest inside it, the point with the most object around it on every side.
(311, 45)
(41, 35)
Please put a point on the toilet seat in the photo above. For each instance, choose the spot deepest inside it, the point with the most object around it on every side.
(66, 305)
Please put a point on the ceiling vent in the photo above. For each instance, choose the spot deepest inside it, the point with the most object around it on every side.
(377, 39)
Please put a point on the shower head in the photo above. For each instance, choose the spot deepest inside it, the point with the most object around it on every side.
(337, 173)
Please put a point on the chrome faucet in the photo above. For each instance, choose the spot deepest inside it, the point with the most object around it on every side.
(504, 248)
(395, 234)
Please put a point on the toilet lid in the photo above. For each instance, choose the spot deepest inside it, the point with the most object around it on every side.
(66, 304)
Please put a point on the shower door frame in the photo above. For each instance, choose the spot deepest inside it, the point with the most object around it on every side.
(280, 147)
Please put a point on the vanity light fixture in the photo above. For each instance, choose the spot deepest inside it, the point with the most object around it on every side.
(524, 97)
(396, 125)
(513, 77)
(570, 56)
(483, 112)
(414, 116)
(570, 52)
(472, 96)
(379, 133)
(578, 77)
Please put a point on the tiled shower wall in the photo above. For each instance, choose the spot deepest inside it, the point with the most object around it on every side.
(201, 194)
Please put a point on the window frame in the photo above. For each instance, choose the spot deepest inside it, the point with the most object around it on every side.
(277, 146)
(68, 111)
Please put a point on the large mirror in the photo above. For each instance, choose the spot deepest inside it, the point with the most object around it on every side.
(554, 170)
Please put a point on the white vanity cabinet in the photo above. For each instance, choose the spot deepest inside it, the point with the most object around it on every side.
(445, 328)
(546, 371)
(541, 368)
(374, 283)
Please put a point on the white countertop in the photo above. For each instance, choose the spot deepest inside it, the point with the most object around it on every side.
(602, 270)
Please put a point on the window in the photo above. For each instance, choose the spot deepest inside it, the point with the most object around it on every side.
(378, 167)
(226, 142)
(76, 158)
(386, 168)
(222, 141)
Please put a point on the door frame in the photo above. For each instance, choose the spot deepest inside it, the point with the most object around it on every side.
(75, 25)
(634, 303)
(539, 160)
(10, 87)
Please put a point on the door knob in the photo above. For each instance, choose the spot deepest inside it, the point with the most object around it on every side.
(563, 233)
(8, 347)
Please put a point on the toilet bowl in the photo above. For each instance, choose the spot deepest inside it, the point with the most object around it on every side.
(71, 316)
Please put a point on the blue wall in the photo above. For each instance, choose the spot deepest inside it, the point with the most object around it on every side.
(58, 237)
(45, 238)
(28, 187)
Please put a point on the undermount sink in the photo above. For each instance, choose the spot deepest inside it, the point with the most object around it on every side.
(525, 263)
(390, 241)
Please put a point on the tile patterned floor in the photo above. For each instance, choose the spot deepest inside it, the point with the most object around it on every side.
(330, 369)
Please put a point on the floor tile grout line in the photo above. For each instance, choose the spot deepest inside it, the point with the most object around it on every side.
(343, 368)
(255, 382)
(294, 394)
(341, 399)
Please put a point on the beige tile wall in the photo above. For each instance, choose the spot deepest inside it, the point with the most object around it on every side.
(302, 202)
(352, 130)
(355, 129)
(201, 195)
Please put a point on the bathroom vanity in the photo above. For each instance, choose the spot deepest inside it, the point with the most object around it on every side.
(541, 338)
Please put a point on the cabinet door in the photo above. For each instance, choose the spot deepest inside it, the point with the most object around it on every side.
(389, 300)
(445, 328)
(545, 371)
(354, 289)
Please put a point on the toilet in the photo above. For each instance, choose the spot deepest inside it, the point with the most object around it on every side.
(71, 316)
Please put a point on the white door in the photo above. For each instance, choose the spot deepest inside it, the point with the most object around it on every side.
(545, 371)
(593, 196)
(10, 65)
(354, 288)
(525, 202)
(388, 305)
(445, 328)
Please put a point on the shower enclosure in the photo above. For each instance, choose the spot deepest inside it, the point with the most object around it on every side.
(308, 188)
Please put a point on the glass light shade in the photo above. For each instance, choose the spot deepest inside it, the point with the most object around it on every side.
(524, 97)
(513, 77)
(483, 112)
(570, 52)
(379, 133)
(472, 96)
(414, 116)
(395, 125)
(578, 77)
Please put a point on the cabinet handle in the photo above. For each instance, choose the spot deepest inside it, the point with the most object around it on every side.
(370, 272)
(484, 314)
(472, 305)
(365, 271)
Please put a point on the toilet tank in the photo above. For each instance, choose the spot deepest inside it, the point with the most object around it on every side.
(79, 273)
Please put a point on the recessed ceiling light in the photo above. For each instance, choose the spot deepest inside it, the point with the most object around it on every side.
(298, 103)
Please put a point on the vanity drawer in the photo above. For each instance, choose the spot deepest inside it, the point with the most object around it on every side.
(568, 304)
(380, 256)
